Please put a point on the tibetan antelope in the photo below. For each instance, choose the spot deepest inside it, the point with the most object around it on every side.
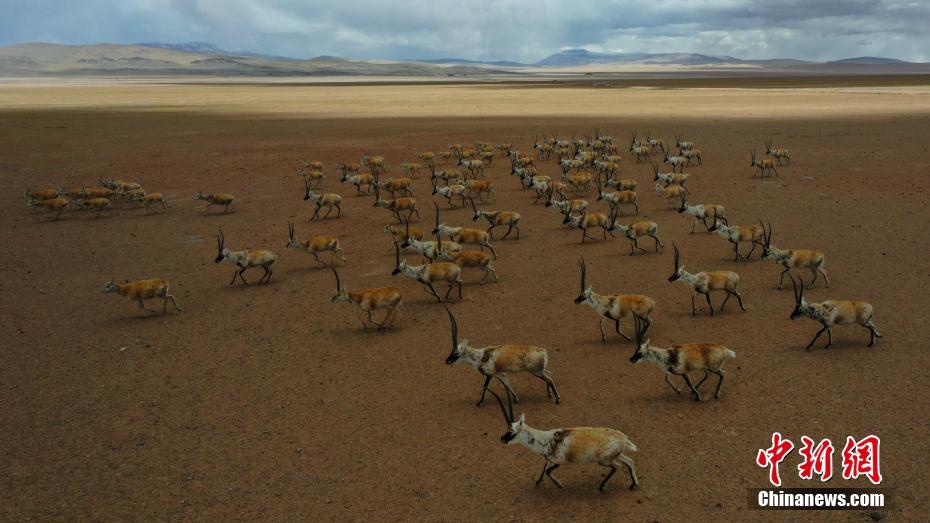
(446, 156)
(245, 260)
(411, 168)
(479, 188)
(707, 282)
(669, 178)
(475, 167)
(764, 165)
(397, 205)
(637, 230)
(315, 245)
(703, 212)
(426, 157)
(431, 250)
(683, 145)
(429, 274)
(654, 143)
(588, 220)
(495, 361)
(622, 185)
(617, 199)
(375, 164)
(614, 307)
(683, 358)
(497, 219)
(579, 182)
(735, 234)
(401, 234)
(469, 259)
(692, 155)
(461, 235)
(329, 200)
(505, 148)
(225, 199)
(41, 194)
(370, 300)
(314, 178)
(670, 193)
(359, 180)
(794, 259)
(677, 162)
(779, 154)
(346, 168)
(54, 205)
(603, 446)
(149, 200)
(567, 207)
(833, 312)
(640, 151)
(396, 185)
(142, 290)
(97, 205)
(89, 193)
(451, 191)
(315, 165)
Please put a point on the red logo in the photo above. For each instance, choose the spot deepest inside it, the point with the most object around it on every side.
(859, 458)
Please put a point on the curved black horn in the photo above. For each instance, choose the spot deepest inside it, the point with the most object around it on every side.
(677, 256)
(437, 213)
(508, 415)
(584, 273)
(455, 328)
(338, 284)
(396, 256)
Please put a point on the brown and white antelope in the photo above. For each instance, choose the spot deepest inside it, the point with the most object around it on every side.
(370, 300)
(328, 200)
(430, 273)
(637, 230)
(479, 188)
(654, 143)
(54, 205)
(642, 152)
(451, 191)
(707, 282)
(703, 212)
(622, 185)
(683, 145)
(588, 220)
(431, 250)
(672, 178)
(693, 155)
(677, 162)
(603, 446)
(397, 206)
(375, 164)
(833, 312)
(225, 199)
(764, 165)
(795, 259)
(97, 205)
(736, 234)
(359, 180)
(43, 194)
(462, 235)
(411, 168)
(617, 199)
(683, 358)
(671, 193)
(142, 290)
(475, 167)
(427, 158)
(346, 168)
(779, 154)
(245, 260)
(149, 200)
(567, 207)
(316, 245)
(579, 182)
(313, 178)
(614, 307)
(404, 186)
(495, 361)
(497, 219)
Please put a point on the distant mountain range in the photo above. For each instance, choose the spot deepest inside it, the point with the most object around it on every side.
(204, 59)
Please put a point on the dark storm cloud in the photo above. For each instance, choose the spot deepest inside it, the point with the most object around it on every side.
(505, 29)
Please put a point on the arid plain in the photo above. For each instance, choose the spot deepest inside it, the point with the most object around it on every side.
(269, 402)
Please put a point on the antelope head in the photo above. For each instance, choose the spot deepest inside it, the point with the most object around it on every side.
(222, 253)
(643, 347)
(291, 239)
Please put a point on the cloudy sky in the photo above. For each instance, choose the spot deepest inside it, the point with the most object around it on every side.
(524, 30)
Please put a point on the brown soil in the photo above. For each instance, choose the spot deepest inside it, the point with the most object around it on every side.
(270, 402)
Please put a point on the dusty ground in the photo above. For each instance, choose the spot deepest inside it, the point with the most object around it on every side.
(269, 402)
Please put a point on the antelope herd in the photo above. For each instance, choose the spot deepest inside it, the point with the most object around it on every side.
(581, 164)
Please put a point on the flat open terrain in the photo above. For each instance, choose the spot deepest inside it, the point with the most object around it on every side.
(270, 402)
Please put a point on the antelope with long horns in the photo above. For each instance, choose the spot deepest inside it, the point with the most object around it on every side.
(429, 274)
(703, 212)
(497, 219)
(616, 199)
(668, 179)
(764, 165)
(451, 191)
(707, 282)
(316, 245)
(431, 250)
(589, 220)
(683, 145)
(245, 260)
(142, 290)
(637, 230)
(683, 358)
(779, 154)
(462, 235)
(693, 155)
(833, 312)
(614, 307)
(370, 300)
(397, 206)
(603, 446)
(359, 180)
(495, 361)
(328, 200)
(404, 186)
(671, 193)
(795, 259)
(736, 234)
(677, 162)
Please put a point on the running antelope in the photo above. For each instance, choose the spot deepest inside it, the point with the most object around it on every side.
(637, 230)
(431, 250)
(370, 300)
(779, 154)
(497, 219)
(96, 192)
(358, 180)
(479, 188)
(672, 178)
(622, 185)
(764, 165)
(616, 199)
(833, 312)
(41, 194)
(396, 185)
(150, 199)
(98, 205)
(639, 151)
(693, 154)
(411, 168)
(614, 307)
(426, 157)
(316, 165)
(603, 446)
(245, 260)
(375, 164)
(313, 178)
(682, 145)
(475, 167)
(567, 207)
(142, 290)
(683, 358)
(225, 199)
(430, 273)
(469, 259)
(588, 220)
(346, 168)
(579, 182)
(707, 282)
(654, 143)
(735, 234)
(677, 162)
(397, 205)
(329, 200)
(495, 361)
(670, 193)
(461, 235)
(315, 245)
(703, 212)
(451, 191)
(56, 205)
(402, 234)
(794, 259)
